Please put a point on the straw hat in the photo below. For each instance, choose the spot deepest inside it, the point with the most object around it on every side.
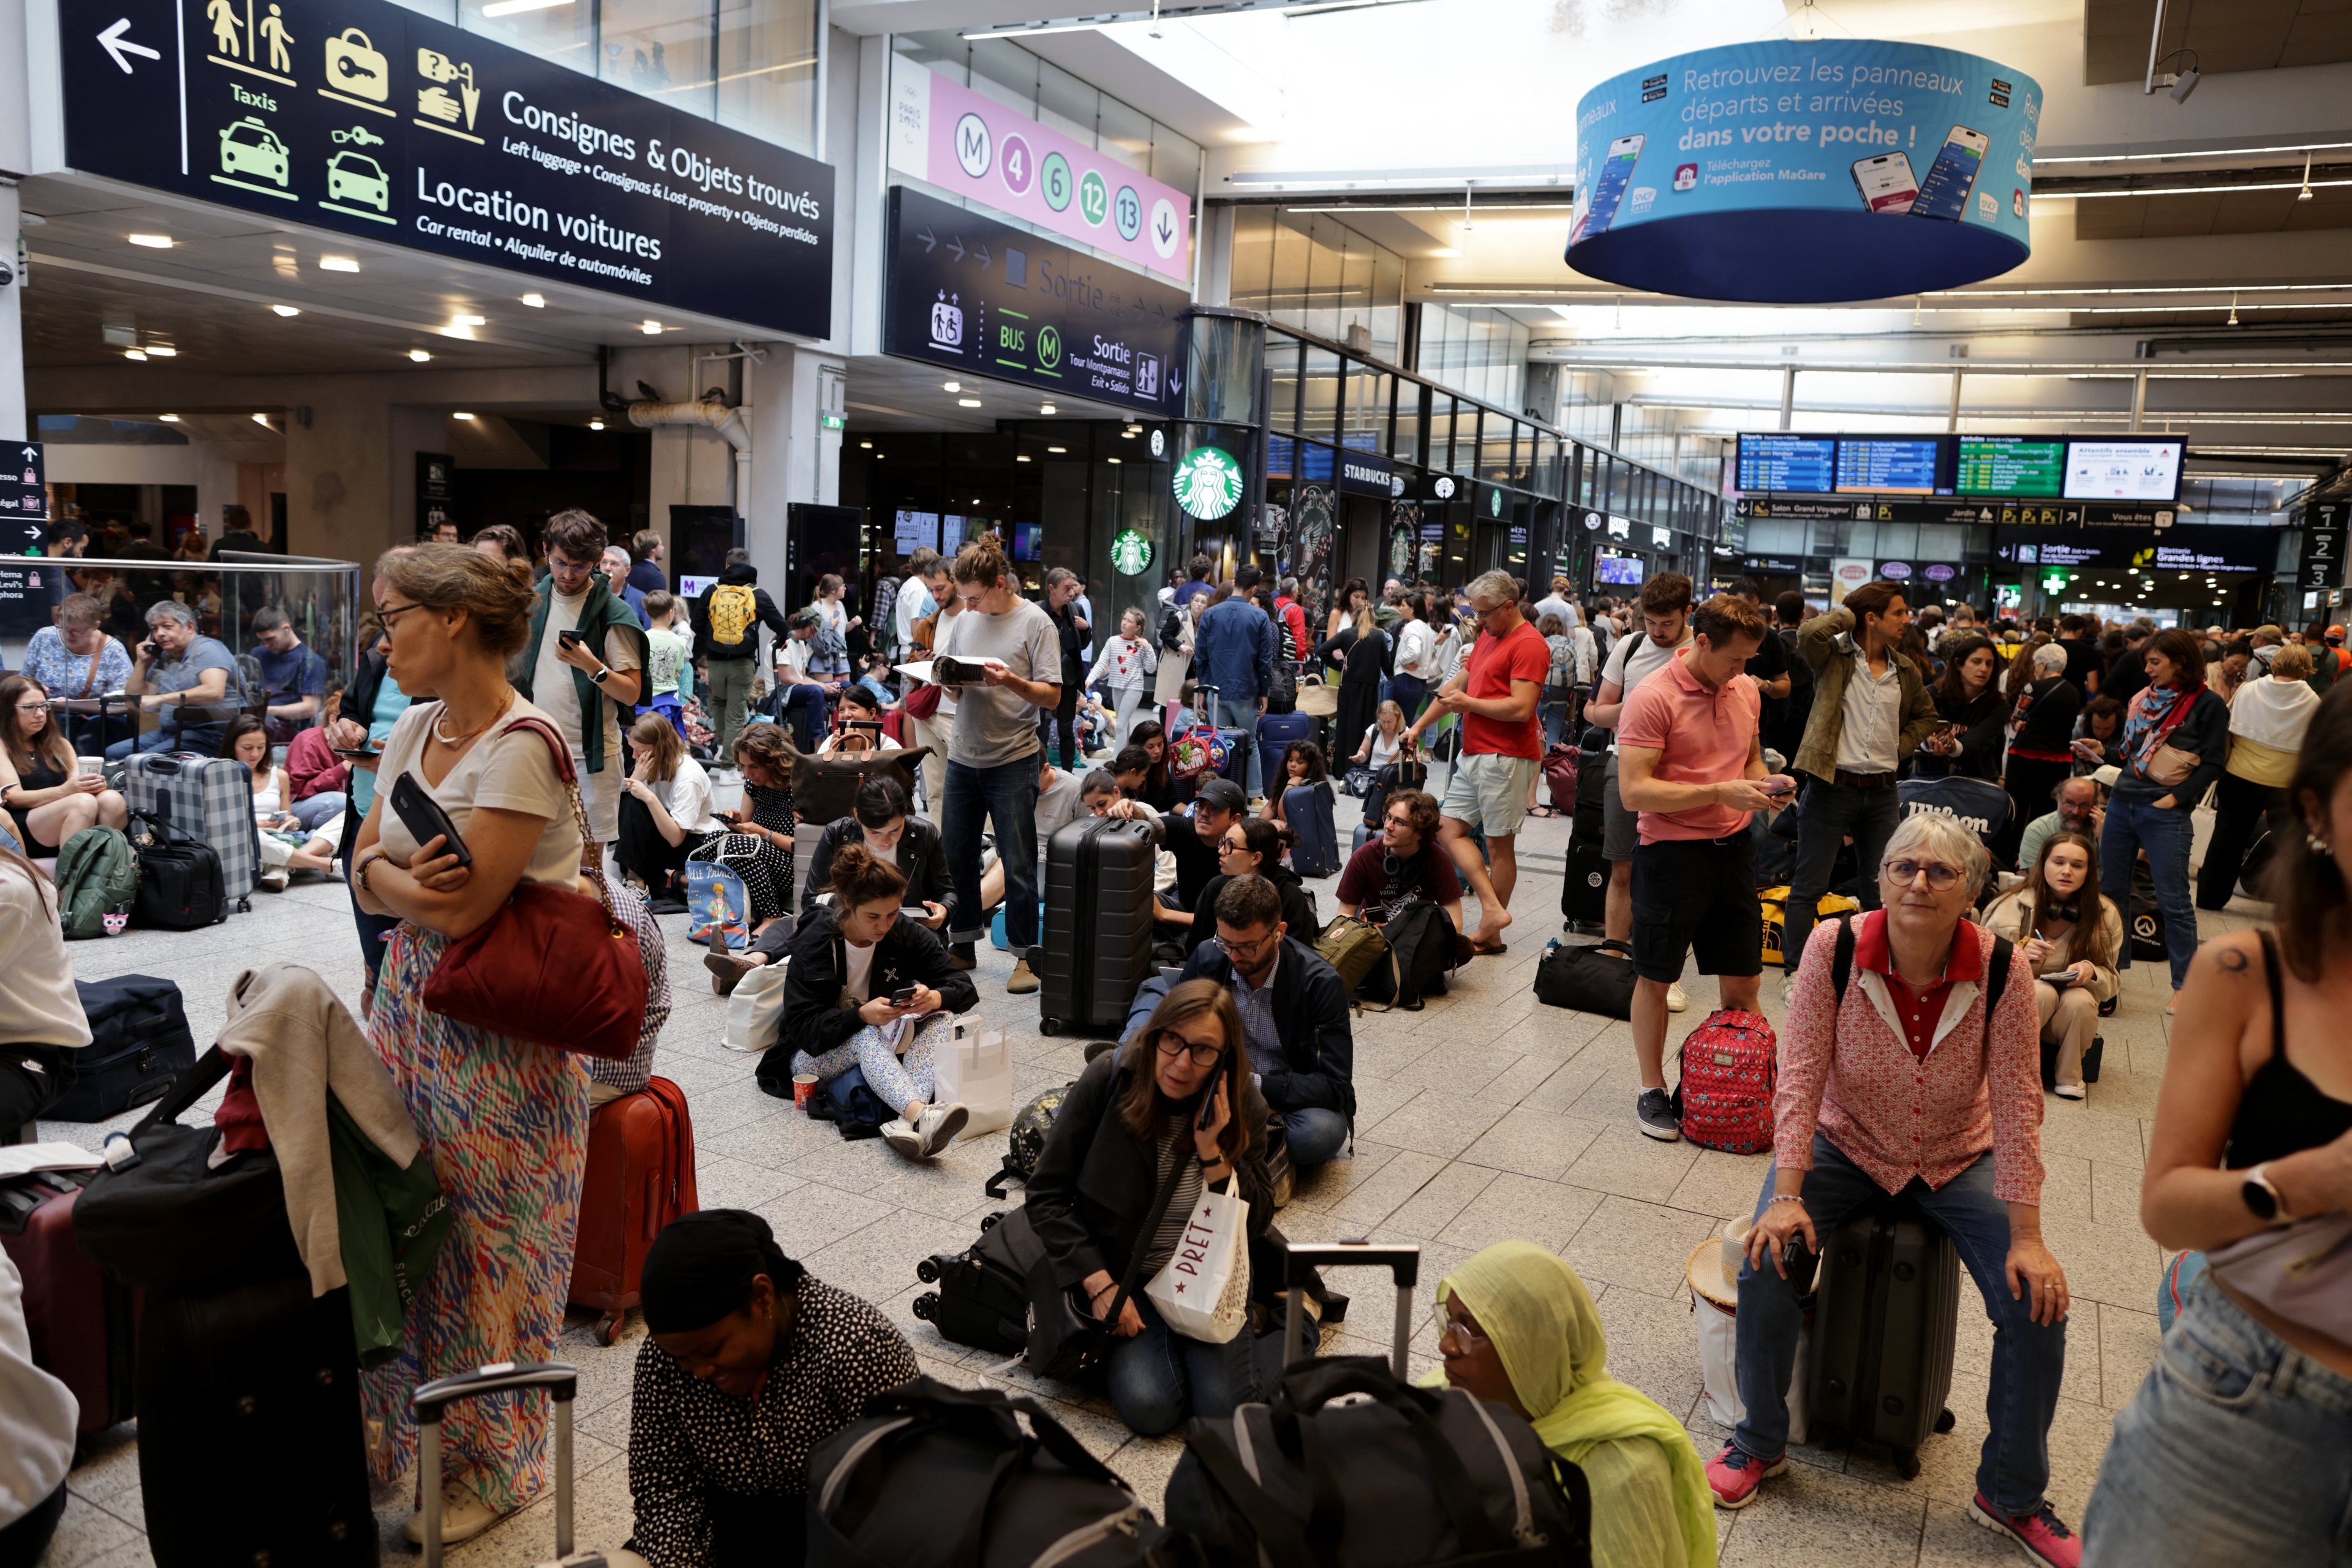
(1713, 1271)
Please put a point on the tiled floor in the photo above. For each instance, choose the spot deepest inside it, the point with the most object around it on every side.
(1485, 1117)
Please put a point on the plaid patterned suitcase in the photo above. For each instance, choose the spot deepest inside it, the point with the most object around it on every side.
(211, 797)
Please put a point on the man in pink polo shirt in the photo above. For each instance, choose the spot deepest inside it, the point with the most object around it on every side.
(1691, 762)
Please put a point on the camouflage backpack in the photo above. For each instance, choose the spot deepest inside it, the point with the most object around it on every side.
(1028, 1139)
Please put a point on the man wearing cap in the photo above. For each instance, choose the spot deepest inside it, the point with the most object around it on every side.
(1219, 805)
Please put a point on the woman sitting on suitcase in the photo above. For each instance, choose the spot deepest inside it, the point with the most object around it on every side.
(1517, 1328)
(1911, 1084)
(1136, 1115)
(750, 1366)
(871, 990)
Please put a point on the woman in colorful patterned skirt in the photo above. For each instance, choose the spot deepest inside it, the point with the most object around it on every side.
(505, 1121)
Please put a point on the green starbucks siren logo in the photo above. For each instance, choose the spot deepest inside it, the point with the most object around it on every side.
(1130, 552)
(1208, 483)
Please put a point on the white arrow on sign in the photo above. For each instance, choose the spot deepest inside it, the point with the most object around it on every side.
(118, 46)
(31, 453)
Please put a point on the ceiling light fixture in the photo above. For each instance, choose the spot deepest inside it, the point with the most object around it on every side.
(652, 329)
(1057, 451)
(1113, 461)
(1021, 456)
(950, 387)
(1048, 408)
(286, 311)
(162, 351)
(595, 423)
(865, 446)
(139, 354)
(337, 264)
(967, 402)
(2305, 195)
(461, 413)
(152, 241)
(465, 320)
(419, 355)
(262, 420)
(512, 7)
(169, 418)
(536, 301)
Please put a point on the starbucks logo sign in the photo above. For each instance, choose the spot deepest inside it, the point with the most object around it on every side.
(1130, 552)
(1208, 483)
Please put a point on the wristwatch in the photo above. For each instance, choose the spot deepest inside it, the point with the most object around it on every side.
(2262, 1197)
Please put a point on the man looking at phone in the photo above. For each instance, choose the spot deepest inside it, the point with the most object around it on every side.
(176, 665)
(582, 661)
(1666, 605)
(1871, 709)
(1691, 765)
(1013, 653)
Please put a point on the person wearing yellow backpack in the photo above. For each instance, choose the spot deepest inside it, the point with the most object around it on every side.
(727, 619)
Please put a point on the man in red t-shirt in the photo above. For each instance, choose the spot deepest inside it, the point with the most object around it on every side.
(1293, 615)
(1502, 748)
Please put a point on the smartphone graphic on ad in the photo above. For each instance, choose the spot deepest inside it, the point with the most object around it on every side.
(1616, 174)
(1944, 193)
(1885, 182)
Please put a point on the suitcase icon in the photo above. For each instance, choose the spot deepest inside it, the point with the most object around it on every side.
(355, 66)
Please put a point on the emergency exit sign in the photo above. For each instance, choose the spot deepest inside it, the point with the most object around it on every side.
(834, 421)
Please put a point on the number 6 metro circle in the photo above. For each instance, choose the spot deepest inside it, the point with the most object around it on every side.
(1053, 181)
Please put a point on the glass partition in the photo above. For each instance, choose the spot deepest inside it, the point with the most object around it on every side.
(1364, 420)
(1225, 356)
(1406, 445)
(1318, 395)
(1282, 353)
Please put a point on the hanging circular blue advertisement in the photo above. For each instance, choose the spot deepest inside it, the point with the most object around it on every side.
(1793, 172)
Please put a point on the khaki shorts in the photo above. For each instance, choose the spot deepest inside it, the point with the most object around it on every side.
(1490, 791)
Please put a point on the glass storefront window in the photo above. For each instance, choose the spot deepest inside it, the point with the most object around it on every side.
(1282, 353)
(1224, 360)
(1406, 446)
(1319, 395)
(1365, 420)
(1494, 449)
(1463, 456)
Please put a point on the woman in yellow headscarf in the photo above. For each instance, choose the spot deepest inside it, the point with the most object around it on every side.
(1520, 1330)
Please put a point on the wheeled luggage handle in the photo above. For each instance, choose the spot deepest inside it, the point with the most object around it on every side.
(561, 1382)
(1301, 1257)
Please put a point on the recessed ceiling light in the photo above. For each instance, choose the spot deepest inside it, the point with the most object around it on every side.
(286, 309)
(651, 329)
(162, 351)
(169, 418)
(1135, 429)
(465, 320)
(967, 402)
(1048, 408)
(337, 264)
(536, 301)
(262, 420)
(1021, 456)
(153, 241)
(1058, 450)
(595, 423)
(1444, 250)
(461, 413)
(865, 446)
(1127, 435)
(950, 387)
(139, 354)
(419, 355)
(1112, 460)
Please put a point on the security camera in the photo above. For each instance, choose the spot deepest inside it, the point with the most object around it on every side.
(2184, 84)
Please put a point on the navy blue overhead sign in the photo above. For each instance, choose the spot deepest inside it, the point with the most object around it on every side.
(2207, 548)
(1365, 474)
(365, 118)
(978, 296)
(1787, 171)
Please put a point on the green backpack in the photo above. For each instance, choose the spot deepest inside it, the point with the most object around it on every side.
(98, 874)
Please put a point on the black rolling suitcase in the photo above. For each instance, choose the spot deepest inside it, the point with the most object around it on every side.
(1887, 1310)
(1099, 910)
(982, 1300)
(1585, 888)
(562, 1382)
(1376, 1472)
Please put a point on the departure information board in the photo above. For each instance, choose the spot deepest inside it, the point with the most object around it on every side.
(2010, 466)
(1894, 466)
(1801, 465)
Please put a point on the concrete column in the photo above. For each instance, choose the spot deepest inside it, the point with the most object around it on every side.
(13, 426)
(793, 456)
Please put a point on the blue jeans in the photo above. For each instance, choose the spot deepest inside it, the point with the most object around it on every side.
(1555, 722)
(1315, 1136)
(1158, 1378)
(1241, 713)
(1407, 692)
(315, 811)
(2134, 825)
(1006, 795)
(2237, 1448)
(1826, 813)
(2029, 1359)
(803, 709)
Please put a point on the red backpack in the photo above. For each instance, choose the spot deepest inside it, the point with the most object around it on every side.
(1731, 1067)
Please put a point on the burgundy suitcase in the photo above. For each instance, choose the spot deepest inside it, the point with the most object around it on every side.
(84, 1325)
(640, 1177)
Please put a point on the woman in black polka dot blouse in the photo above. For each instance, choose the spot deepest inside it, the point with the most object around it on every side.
(750, 1365)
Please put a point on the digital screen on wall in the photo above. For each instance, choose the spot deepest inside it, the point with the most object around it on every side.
(1875, 466)
(1623, 571)
(2010, 466)
(2123, 470)
(1797, 465)
(1026, 537)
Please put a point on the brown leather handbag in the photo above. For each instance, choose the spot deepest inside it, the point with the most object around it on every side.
(553, 967)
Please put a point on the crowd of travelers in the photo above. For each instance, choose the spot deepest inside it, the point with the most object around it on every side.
(574, 719)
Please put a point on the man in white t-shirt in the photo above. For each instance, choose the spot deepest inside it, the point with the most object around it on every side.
(1666, 607)
(1559, 604)
(585, 653)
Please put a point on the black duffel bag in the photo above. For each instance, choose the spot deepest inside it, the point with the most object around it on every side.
(1348, 1463)
(139, 1041)
(982, 1300)
(1595, 978)
(936, 1476)
(171, 1222)
(181, 886)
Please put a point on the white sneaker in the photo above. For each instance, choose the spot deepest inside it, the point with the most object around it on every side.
(939, 1127)
(903, 1138)
(2069, 1091)
(275, 879)
(1676, 1001)
(464, 1514)
(1788, 986)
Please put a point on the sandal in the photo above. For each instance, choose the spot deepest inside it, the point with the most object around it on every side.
(1484, 950)
(1541, 811)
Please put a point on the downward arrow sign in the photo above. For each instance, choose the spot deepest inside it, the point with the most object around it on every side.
(1175, 382)
(116, 44)
(1167, 230)
(929, 244)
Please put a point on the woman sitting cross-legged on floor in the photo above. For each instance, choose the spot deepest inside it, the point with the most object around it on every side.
(1134, 1116)
(248, 741)
(750, 1366)
(2072, 935)
(852, 960)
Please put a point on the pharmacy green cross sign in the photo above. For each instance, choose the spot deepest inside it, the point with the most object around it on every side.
(1208, 483)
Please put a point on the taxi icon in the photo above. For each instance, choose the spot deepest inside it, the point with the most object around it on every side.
(250, 147)
(356, 177)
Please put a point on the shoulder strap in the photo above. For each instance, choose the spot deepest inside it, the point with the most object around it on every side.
(2278, 995)
(1996, 977)
(1841, 964)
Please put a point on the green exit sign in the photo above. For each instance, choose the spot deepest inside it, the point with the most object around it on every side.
(836, 421)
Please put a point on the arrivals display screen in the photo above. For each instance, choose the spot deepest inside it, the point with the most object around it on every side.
(1891, 466)
(2010, 466)
(2123, 470)
(1801, 465)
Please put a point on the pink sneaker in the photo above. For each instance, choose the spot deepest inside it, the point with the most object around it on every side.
(2045, 1540)
(1735, 1474)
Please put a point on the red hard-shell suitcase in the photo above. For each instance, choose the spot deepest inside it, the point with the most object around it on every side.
(84, 1325)
(640, 1177)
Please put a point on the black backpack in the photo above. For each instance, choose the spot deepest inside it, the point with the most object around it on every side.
(181, 886)
(933, 1475)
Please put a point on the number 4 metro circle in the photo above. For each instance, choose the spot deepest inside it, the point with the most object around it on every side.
(1015, 165)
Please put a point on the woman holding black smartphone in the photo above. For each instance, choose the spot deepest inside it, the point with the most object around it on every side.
(764, 757)
(2072, 935)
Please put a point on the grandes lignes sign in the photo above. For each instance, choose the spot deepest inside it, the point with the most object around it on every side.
(364, 118)
(1789, 172)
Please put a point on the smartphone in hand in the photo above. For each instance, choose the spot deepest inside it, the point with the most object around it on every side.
(569, 638)
(423, 816)
(1801, 1262)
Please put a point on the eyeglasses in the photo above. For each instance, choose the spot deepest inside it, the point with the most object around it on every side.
(1903, 873)
(388, 612)
(1172, 1044)
(1243, 951)
(1231, 846)
(32, 707)
(1464, 1334)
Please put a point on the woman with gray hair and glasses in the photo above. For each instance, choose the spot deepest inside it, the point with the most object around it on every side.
(1919, 1076)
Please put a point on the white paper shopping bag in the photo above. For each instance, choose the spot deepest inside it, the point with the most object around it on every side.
(755, 1011)
(1202, 1293)
(975, 1071)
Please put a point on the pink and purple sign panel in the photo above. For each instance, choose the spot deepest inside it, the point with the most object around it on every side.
(980, 149)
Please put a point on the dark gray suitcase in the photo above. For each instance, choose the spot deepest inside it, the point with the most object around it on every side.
(1887, 1310)
(1098, 936)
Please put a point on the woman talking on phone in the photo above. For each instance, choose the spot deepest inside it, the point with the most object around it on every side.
(505, 1121)
(1163, 1103)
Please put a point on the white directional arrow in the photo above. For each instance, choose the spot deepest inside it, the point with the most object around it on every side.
(31, 453)
(119, 46)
